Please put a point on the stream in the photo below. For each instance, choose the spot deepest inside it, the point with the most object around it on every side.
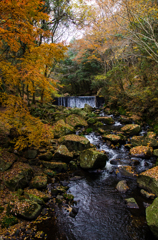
(102, 210)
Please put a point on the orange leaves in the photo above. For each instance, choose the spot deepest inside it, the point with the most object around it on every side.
(17, 19)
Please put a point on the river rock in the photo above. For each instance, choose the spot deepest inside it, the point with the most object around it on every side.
(127, 171)
(18, 177)
(36, 196)
(31, 153)
(6, 160)
(155, 152)
(131, 203)
(149, 180)
(106, 120)
(141, 151)
(26, 208)
(87, 108)
(74, 142)
(125, 119)
(76, 121)
(91, 158)
(131, 129)
(152, 217)
(149, 140)
(61, 128)
(63, 154)
(112, 137)
(147, 194)
(122, 186)
(39, 182)
(46, 156)
(56, 166)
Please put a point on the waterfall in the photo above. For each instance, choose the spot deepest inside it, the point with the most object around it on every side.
(79, 101)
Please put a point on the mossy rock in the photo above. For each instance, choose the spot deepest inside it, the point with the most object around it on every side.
(56, 166)
(131, 203)
(76, 121)
(46, 156)
(155, 152)
(131, 129)
(106, 120)
(6, 160)
(49, 172)
(39, 182)
(91, 121)
(61, 128)
(88, 108)
(74, 142)
(141, 151)
(31, 153)
(91, 158)
(26, 209)
(63, 154)
(98, 124)
(36, 196)
(112, 137)
(152, 217)
(144, 141)
(148, 180)
(18, 177)
(122, 186)
(125, 119)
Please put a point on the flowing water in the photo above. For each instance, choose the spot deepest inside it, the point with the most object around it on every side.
(103, 214)
(79, 101)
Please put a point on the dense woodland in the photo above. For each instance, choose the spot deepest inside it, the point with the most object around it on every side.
(116, 57)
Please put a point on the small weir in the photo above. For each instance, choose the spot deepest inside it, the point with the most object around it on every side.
(79, 101)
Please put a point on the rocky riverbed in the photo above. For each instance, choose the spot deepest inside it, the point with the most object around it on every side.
(93, 181)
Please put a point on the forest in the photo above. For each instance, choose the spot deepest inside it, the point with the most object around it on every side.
(61, 48)
(115, 58)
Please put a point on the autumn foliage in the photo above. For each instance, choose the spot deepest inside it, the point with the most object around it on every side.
(26, 65)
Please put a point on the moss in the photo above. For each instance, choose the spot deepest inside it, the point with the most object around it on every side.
(8, 221)
(69, 197)
(89, 130)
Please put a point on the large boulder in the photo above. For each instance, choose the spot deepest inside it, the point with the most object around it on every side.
(149, 140)
(6, 160)
(152, 217)
(61, 128)
(91, 158)
(63, 154)
(131, 129)
(74, 142)
(31, 153)
(149, 180)
(141, 151)
(76, 121)
(106, 120)
(25, 208)
(18, 177)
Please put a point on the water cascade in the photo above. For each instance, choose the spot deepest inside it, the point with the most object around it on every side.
(79, 101)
